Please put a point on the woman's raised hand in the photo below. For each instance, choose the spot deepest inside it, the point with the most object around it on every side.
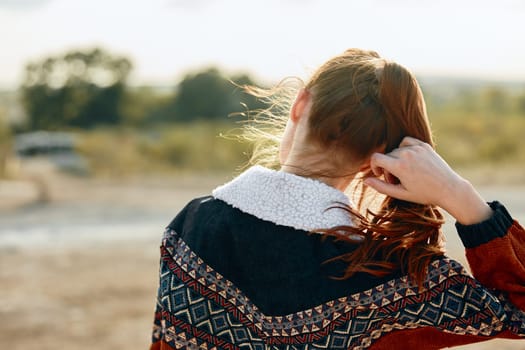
(425, 178)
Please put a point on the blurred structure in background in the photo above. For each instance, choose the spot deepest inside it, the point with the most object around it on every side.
(41, 149)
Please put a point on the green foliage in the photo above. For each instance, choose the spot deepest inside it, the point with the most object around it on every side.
(210, 95)
(520, 104)
(479, 138)
(144, 106)
(178, 147)
(479, 125)
(5, 144)
(77, 89)
(496, 101)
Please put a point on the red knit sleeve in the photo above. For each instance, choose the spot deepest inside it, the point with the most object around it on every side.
(495, 251)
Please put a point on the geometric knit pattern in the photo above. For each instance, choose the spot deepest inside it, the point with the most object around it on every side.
(197, 308)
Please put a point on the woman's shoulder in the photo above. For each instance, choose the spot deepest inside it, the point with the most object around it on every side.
(197, 209)
(210, 220)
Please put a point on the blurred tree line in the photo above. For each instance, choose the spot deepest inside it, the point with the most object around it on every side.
(484, 101)
(85, 89)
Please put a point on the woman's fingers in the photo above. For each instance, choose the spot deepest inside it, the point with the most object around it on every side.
(391, 190)
(410, 141)
(391, 179)
(414, 172)
(403, 170)
(380, 162)
(422, 176)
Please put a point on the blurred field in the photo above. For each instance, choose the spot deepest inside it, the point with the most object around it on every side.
(467, 141)
(83, 272)
(197, 146)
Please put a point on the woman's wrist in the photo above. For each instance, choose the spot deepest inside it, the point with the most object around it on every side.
(466, 205)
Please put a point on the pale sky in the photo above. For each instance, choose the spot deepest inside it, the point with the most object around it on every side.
(270, 39)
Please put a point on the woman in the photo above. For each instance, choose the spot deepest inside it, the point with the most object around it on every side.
(284, 260)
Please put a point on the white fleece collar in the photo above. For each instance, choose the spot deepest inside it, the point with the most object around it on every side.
(285, 199)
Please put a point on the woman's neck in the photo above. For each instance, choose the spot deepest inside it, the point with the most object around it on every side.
(305, 158)
(330, 178)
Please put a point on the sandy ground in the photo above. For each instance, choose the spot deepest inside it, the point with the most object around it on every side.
(98, 292)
